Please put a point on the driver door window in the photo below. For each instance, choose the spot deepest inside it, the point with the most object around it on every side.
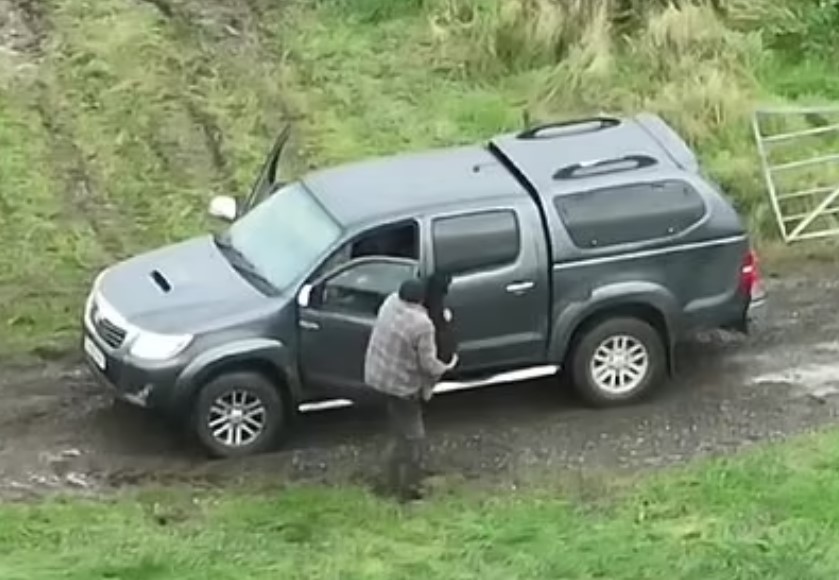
(360, 289)
(400, 240)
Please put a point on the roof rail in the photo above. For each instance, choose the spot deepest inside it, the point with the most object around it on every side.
(575, 125)
(604, 166)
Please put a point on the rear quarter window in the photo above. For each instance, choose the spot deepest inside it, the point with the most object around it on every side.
(630, 213)
(475, 241)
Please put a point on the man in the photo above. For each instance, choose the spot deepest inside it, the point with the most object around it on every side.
(402, 364)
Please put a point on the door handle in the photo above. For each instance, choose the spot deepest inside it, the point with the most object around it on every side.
(308, 325)
(520, 287)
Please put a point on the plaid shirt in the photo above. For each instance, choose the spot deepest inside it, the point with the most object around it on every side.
(402, 355)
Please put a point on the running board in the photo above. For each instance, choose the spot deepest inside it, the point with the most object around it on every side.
(526, 374)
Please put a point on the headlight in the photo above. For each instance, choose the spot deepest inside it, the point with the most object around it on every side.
(93, 290)
(159, 347)
(98, 279)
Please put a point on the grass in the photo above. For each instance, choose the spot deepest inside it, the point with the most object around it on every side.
(131, 123)
(136, 112)
(768, 514)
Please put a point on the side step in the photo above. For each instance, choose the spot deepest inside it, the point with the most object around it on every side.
(525, 374)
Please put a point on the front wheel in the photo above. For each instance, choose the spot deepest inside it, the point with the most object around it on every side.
(238, 414)
(618, 361)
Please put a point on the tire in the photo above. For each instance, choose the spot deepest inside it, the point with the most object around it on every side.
(592, 373)
(232, 392)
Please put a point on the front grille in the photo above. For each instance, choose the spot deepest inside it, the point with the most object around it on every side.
(111, 333)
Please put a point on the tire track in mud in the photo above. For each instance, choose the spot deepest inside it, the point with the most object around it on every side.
(30, 28)
(188, 24)
(81, 200)
(163, 6)
(22, 32)
(22, 26)
(236, 27)
(214, 143)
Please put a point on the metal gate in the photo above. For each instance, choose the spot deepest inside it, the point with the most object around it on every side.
(799, 153)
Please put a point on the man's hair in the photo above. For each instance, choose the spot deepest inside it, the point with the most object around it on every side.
(412, 290)
(437, 286)
(439, 282)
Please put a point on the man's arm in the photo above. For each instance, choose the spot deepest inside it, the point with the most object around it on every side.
(427, 352)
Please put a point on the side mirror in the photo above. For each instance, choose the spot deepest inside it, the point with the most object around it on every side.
(224, 208)
(304, 297)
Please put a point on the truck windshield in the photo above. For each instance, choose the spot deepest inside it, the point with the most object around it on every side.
(276, 241)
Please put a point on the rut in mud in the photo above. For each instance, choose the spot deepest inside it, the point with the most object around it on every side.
(58, 429)
(22, 27)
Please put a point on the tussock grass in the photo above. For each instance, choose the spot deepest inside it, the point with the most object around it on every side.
(557, 59)
(704, 66)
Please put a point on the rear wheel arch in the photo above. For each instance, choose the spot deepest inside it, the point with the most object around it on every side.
(640, 310)
(654, 315)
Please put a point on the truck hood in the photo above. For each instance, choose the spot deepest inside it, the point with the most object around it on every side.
(187, 287)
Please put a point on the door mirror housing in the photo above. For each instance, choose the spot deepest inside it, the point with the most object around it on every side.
(304, 297)
(224, 208)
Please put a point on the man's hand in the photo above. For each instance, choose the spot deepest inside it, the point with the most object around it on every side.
(427, 393)
(453, 362)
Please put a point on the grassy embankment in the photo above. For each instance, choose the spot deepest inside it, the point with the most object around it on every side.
(135, 112)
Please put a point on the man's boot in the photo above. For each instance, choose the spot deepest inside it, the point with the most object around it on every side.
(411, 484)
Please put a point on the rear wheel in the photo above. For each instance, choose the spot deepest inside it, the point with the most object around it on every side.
(238, 414)
(618, 361)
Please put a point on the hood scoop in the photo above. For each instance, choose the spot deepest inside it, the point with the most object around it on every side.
(161, 281)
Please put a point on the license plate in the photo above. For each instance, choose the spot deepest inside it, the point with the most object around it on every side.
(95, 354)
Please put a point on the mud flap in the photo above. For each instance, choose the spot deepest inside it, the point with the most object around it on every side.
(671, 358)
(741, 325)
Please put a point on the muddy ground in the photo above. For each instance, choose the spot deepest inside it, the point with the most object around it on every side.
(59, 429)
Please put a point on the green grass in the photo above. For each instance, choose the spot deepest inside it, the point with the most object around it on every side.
(132, 119)
(768, 514)
(131, 124)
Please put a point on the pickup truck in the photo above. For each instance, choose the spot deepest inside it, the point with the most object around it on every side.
(583, 248)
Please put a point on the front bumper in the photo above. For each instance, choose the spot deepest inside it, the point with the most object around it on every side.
(136, 382)
(105, 341)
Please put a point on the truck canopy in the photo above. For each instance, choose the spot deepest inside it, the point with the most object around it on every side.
(550, 157)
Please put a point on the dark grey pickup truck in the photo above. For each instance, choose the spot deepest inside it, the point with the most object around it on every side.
(585, 247)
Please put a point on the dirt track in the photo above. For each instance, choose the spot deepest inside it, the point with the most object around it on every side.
(59, 429)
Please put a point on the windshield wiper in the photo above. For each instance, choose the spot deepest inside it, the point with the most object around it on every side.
(241, 263)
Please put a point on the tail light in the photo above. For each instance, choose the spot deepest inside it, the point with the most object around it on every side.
(750, 280)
